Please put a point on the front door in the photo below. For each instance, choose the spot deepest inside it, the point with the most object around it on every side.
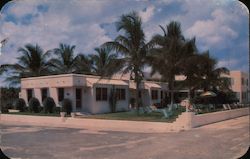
(78, 98)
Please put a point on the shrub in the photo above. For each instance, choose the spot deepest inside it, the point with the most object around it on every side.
(8, 105)
(49, 105)
(34, 105)
(57, 110)
(67, 106)
(4, 109)
(20, 104)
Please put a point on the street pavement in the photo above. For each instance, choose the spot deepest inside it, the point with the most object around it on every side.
(224, 140)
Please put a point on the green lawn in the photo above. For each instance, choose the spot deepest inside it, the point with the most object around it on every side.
(132, 116)
(35, 114)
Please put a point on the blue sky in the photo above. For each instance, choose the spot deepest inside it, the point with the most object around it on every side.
(220, 26)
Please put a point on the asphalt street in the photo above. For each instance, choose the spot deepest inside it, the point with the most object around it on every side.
(224, 140)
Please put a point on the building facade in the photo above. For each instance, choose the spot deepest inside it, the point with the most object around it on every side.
(240, 85)
(90, 94)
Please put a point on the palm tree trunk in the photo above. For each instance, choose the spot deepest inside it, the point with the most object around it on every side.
(172, 94)
(189, 97)
(189, 93)
(137, 96)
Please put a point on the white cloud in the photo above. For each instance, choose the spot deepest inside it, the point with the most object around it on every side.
(230, 63)
(20, 8)
(147, 14)
(215, 31)
(59, 24)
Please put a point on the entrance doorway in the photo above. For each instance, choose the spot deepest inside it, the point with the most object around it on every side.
(78, 98)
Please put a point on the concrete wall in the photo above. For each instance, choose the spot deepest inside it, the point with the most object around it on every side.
(94, 124)
(188, 120)
(185, 121)
(87, 99)
(203, 119)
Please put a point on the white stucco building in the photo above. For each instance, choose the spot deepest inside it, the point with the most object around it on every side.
(90, 94)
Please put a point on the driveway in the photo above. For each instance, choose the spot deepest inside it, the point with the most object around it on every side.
(227, 139)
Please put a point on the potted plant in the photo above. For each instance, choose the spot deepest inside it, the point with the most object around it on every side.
(62, 112)
(73, 114)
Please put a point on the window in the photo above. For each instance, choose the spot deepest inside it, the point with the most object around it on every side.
(120, 94)
(161, 94)
(44, 92)
(78, 97)
(101, 94)
(60, 94)
(154, 94)
(29, 94)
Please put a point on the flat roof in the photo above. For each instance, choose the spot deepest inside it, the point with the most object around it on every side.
(68, 75)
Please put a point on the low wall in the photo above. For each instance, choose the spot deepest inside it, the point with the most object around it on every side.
(93, 124)
(204, 119)
(185, 121)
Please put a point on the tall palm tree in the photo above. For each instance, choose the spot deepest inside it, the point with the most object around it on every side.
(191, 66)
(105, 63)
(64, 62)
(83, 64)
(168, 54)
(132, 46)
(32, 62)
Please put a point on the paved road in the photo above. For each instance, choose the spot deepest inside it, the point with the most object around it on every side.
(224, 140)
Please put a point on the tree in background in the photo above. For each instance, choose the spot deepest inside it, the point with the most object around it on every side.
(83, 64)
(105, 63)
(8, 97)
(32, 62)
(65, 60)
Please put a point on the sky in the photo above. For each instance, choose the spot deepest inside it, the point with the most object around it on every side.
(220, 26)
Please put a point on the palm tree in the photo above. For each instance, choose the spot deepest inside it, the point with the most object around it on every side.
(105, 63)
(64, 62)
(83, 64)
(32, 62)
(168, 54)
(201, 72)
(191, 66)
(132, 46)
(212, 74)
